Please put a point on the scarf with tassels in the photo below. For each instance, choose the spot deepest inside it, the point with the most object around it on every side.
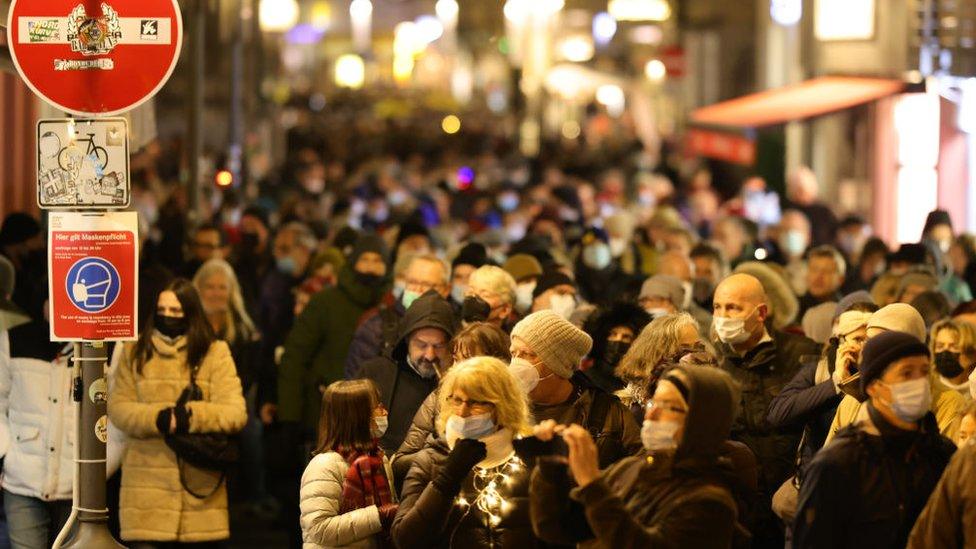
(366, 483)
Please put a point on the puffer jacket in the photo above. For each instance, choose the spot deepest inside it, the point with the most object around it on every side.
(762, 373)
(949, 518)
(153, 505)
(867, 486)
(681, 498)
(428, 518)
(38, 418)
(321, 497)
(424, 425)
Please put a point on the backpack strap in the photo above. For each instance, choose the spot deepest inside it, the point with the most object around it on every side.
(598, 412)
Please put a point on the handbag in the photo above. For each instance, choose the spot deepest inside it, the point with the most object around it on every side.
(210, 451)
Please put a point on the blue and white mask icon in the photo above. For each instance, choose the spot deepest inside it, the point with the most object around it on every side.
(93, 284)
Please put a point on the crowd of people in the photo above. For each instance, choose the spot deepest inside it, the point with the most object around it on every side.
(506, 354)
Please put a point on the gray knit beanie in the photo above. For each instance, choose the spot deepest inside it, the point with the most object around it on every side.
(559, 344)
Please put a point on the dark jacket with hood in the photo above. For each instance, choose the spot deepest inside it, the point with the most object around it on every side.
(867, 487)
(762, 373)
(402, 388)
(316, 347)
(681, 498)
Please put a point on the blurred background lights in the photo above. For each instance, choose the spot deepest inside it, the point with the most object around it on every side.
(451, 124)
(639, 10)
(278, 15)
(604, 28)
(655, 70)
(350, 71)
(577, 48)
(428, 28)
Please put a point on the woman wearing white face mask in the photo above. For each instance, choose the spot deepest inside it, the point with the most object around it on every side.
(679, 493)
(467, 488)
(867, 487)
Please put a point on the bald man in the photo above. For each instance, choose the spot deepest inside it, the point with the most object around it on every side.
(762, 360)
(679, 265)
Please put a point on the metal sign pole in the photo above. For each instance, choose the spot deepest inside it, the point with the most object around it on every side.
(91, 437)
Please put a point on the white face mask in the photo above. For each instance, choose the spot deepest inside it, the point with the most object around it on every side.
(911, 400)
(659, 435)
(473, 427)
(526, 374)
(618, 246)
(656, 312)
(380, 424)
(563, 305)
(523, 296)
(731, 330)
(688, 288)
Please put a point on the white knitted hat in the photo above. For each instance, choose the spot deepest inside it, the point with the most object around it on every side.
(559, 344)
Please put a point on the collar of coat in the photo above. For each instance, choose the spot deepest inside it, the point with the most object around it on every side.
(166, 347)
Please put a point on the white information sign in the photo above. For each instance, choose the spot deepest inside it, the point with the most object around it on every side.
(83, 163)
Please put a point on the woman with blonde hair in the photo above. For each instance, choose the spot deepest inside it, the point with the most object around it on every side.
(660, 343)
(953, 346)
(467, 488)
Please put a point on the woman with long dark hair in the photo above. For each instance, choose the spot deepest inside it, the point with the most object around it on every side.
(347, 495)
(164, 500)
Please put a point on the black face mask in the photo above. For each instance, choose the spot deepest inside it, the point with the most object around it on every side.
(170, 326)
(369, 280)
(614, 352)
(475, 309)
(947, 364)
(250, 242)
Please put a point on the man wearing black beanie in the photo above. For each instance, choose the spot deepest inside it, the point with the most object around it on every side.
(867, 486)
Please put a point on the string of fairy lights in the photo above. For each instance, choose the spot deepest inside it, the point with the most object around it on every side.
(487, 482)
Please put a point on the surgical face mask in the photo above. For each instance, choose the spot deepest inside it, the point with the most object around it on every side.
(457, 293)
(947, 364)
(618, 246)
(508, 202)
(656, 312)
(287, 265)
(659, 435)
(380, 424)
(910, 400)
(515, 232)
(473, 427)
(793, 243)
(523, 296)
(398, 289)
(563, 305)
(170, 326)
(526, 374)
(597, 256)
(475, 309)
(731, 330)
(409, 296)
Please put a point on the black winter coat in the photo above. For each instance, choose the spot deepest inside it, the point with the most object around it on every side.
(803, 402)
(762, 373)
(867, 487)
(428, 518)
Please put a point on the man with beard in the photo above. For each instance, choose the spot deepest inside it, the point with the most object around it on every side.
(411, 372)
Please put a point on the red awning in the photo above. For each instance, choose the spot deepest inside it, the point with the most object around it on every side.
(796, 102)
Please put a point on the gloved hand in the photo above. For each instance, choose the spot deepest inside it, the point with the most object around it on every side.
(465, 455)
(531, 448)
(163, 419)
(182, 418)
(387, 512)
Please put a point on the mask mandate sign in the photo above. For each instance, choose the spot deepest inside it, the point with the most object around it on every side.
(92, 261)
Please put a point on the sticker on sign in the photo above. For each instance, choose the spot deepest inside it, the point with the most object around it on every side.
(82, 163)
(92, 57)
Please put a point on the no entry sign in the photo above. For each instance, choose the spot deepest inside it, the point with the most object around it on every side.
(92, 280)
(95, 57)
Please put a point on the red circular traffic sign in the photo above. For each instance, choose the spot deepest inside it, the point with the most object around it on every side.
(95, 57)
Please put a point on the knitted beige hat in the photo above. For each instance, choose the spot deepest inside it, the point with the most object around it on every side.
(899, 317)
(559, 344)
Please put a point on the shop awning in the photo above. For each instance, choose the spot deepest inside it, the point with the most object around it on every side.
(724, 130)
(796, 102)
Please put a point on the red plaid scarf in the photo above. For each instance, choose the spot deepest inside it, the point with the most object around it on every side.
(366, 483)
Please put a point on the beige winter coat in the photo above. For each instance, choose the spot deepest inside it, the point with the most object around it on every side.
(321, 495)
(153, 505)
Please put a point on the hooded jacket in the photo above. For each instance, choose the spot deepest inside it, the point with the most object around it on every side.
(664, 499)
(866, 488)
(402, 388)
(316, 347)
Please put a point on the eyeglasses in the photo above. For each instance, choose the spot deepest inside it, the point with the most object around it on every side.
(459, 403)
(665, 406)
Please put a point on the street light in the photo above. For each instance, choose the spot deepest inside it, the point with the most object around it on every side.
(655, 70)
(361, 16)
(639, 10)
(578, 48)
(350, 71)
(278, 15)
